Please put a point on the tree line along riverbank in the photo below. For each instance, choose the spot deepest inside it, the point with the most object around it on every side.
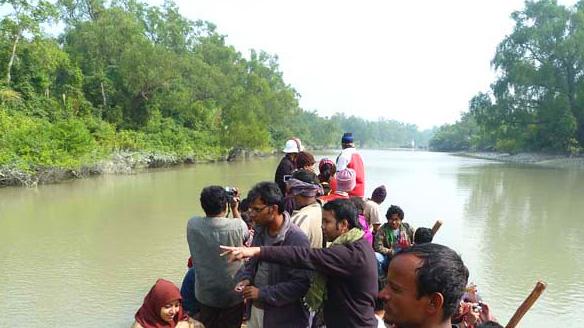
(130, 78)
(536, 103)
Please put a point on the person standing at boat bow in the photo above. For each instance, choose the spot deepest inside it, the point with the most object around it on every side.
(287, 163)
(350, 158)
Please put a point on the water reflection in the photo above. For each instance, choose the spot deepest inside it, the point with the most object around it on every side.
(524, 224)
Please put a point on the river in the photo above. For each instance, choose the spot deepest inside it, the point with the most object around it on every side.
(87, 251)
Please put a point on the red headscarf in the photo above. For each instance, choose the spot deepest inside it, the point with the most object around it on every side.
(325, 161)
(162, 293)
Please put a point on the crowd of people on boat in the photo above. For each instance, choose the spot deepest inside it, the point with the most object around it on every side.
(310, 250)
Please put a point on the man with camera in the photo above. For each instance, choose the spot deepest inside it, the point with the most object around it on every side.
(220, 306)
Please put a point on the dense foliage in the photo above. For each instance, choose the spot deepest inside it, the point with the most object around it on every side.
(537, 101)
(124, 75)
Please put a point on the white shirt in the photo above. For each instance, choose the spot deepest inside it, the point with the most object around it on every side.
(345, 158)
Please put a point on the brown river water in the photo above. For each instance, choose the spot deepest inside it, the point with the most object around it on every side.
(87, 251)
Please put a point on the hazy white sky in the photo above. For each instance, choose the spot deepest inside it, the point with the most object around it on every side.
(414, 61)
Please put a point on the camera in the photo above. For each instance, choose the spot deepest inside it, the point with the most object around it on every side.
(231, 193)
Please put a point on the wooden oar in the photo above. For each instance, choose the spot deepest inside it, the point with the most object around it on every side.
(436, 226)
(526, 305)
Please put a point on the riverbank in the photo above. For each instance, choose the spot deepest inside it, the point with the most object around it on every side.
(118, 163)
(539, 159)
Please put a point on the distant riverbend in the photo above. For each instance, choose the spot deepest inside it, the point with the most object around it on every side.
(540, 159)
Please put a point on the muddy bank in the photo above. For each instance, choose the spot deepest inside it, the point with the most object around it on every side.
(540, 159)
(117, 163)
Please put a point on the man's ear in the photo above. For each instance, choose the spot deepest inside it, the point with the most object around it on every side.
(344, 225)
(435, 304)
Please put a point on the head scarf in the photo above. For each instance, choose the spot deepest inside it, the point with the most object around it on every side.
(323, 162)
(298, 187)
(326, 169)
(346, 180)
(162, 293)
(379, 194)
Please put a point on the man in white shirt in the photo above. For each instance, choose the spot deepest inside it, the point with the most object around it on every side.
(350, 158)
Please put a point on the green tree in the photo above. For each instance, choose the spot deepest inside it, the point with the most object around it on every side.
(540, 66)
(536, 102)
(125, 75)
(26, 17)
(73, 12)
(455, 137)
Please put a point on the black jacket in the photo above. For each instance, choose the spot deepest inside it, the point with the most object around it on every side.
(282, 298)
(286, 167)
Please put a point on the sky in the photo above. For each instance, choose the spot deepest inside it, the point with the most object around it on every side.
(417, 62)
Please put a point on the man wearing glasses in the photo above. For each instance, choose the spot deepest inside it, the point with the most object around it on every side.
(274, 290)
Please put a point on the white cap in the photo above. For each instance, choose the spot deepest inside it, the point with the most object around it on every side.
(291, 146)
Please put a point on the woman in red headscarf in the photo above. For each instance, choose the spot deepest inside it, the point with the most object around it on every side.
(327, 170)
(162, 308)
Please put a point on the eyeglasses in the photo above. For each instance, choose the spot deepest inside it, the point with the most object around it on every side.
(257, 210)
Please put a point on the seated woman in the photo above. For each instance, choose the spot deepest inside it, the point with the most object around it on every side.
(162, 308)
